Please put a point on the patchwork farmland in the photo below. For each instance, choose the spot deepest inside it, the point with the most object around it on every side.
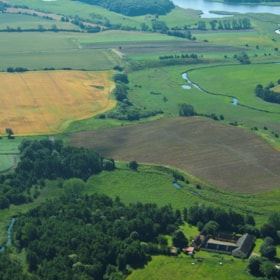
(46, 102)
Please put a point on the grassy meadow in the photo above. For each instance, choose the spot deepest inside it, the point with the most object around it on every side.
(48, 101)
(212, 266)
(6, 161)
(23, 21)
(40, 50)
(240, 81)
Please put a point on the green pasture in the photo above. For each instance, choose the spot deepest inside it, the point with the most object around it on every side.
(153, 185)
(149, 87)
(31, 22)
(213, 266)
(239, 81)
(37, 50)
(6, 161)
(73, 8)
(10, 146)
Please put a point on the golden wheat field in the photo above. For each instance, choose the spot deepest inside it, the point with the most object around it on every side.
(45, 102)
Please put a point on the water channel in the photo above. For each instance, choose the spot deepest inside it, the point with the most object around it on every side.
(206, 6)
(9, 235)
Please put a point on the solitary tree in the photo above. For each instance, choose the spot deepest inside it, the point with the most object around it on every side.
(9, 132)
(133, 165)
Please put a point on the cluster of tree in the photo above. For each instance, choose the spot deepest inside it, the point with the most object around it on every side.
(210, 220)
(93, 237)
(267, 94)
(263, 268)
(134, 7)
(187, 110)
(16, 69)
(265, 265)
(181, 56)
(125, 110)
(161, 27)
(226, 24)
(242, 57)
(45, 159)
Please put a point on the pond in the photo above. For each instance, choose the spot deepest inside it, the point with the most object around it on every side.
(207, 6)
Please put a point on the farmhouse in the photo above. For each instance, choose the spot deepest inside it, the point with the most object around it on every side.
(239, 247)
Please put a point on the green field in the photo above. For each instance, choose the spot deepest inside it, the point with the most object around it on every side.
(212, 267)
(30, 22)
(36, 51)
(153, 185)
(6, 161)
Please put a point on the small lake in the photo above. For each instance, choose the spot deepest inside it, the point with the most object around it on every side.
(207, 6)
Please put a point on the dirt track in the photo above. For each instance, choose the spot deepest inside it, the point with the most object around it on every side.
(228, 157)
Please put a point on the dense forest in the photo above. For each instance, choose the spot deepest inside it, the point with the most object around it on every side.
(134, 7)
(40, 160)
(92, 237)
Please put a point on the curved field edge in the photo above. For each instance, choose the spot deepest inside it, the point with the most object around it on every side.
(240, 82)
(48, 101)
(228, 157)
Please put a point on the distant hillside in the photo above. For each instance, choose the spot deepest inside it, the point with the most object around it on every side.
(134, 7)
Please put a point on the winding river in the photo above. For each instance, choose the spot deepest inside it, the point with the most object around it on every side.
(191, 84)
(207, 6)
(9, 235)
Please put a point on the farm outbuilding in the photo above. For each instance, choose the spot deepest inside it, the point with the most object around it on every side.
(239, 247)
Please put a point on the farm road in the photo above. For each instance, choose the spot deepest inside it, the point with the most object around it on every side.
(226, 156)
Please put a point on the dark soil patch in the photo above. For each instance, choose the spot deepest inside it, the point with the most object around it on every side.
(228, 157)
(184, 46)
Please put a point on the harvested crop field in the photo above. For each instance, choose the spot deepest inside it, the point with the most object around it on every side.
(45, 102)
(225, 156)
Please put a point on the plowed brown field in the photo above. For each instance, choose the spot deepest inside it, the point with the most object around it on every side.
(226, 156)
(45, 102)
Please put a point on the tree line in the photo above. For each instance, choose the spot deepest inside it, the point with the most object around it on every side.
(125, 109)
(226, 24)
(267, 94)
(134, 7)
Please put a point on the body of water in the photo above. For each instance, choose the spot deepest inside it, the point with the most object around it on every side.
(9, 235)
(207, 6)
